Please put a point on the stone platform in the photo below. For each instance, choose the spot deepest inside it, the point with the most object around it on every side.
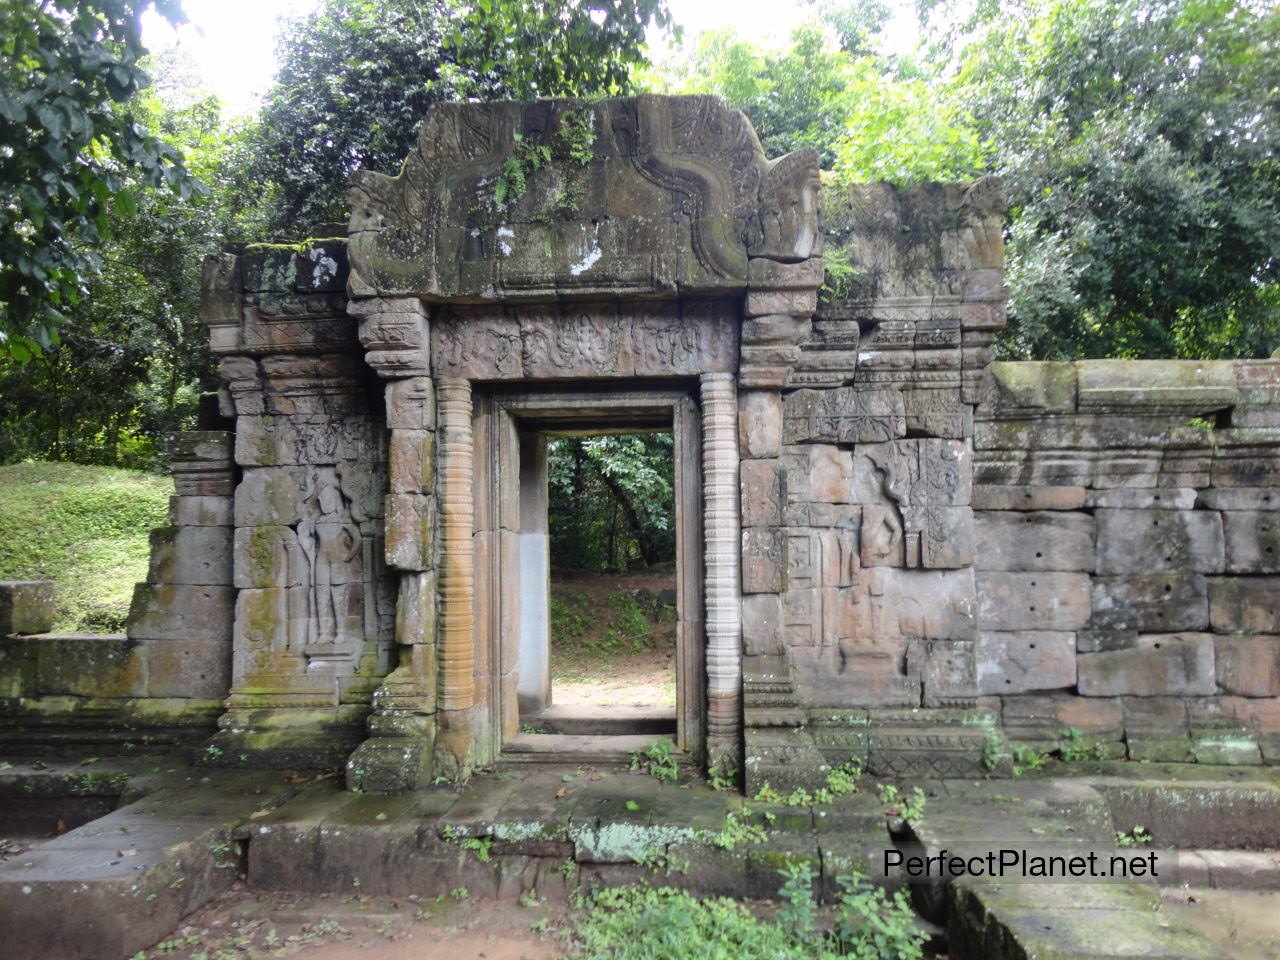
(183, 834)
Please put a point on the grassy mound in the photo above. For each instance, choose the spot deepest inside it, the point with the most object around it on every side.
(85, 528)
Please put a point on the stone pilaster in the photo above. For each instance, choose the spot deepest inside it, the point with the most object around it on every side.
(723, 535)
(457, 509)
(397, 757)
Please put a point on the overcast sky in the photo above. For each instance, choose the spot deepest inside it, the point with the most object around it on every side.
(232, 42)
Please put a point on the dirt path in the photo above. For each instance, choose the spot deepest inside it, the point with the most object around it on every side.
(242, 925)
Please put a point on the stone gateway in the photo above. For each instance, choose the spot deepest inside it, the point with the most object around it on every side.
(890, 547)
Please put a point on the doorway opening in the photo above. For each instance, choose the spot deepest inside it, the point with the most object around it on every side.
(611, 634)
(594, 589)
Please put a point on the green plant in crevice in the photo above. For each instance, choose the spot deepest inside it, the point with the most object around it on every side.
(1027, 758)
(908, 806)
(1137, 837)
(738, 828)
(525, 158)
(657, 760)
(1075, 747)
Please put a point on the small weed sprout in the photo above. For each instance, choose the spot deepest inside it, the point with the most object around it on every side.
(657, 760)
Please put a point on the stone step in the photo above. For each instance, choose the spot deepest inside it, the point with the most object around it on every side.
(573, 748)
(606, 721)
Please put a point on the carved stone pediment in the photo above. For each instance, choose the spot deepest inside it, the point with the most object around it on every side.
(672, 193)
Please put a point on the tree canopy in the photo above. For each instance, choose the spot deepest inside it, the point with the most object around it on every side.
(73, 153)
(356, 77)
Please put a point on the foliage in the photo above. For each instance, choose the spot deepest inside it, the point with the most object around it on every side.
(1138, 143)
(841, 781)
(869, 116)
(1074, 747)
(86, 529)
(657, 760)
(357, 76)
(1137, 837)
(908, 806)
(131, 366)
(74, 155)
(612, 501)
(642, 923)
(738, 828)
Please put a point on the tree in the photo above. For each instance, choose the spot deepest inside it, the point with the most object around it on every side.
(73, 153)
(130, 365)
(612, 501)
(357, 76)
(1138, 141)
(870, 116)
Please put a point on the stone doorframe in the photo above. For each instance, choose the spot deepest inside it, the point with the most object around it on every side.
(510, 483)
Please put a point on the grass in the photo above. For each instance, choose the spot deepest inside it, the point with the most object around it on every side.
(84, 528)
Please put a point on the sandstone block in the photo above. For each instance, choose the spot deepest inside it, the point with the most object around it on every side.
(1151, 602)
(830, 474)
(1145, 541)
(1034, 540)
(190, 555)
(762, 560)
(416, 609)
(1202, 385)
(1025, 660)
(410, 530)
(200, 511)
(270, 495)
(1156, 729)
(844, 415)
(1248, 666)
(1099, 641)
(26, 606)
(87, 666)
(198, 669)
(992, 497)
(411, 404)
(181, 612)
(411, 464)
(1141, 498)
(1239, 498)
(948, 674)
(881, 539)
(1046, 717)
(761, 482)
(1163, 664)
(1252, 541)
(1244, 604)
(762, 624)
(1033, 601)
(269, 556)
(917, 604)
(760, 423)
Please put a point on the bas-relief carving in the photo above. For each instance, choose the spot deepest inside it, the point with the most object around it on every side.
(687, 162)
(844, 415)
(588, 341)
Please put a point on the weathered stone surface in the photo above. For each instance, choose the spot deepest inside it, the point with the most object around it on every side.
(1128, 498)
(1164, 664)
(1252, 541)
(192, 555)
(761, 482)
(1151, 602)
(948, 675)
(1041, 387)
(200, 511)
(1047, 717)
(270, 556)
(411, 464)
(991, 497)
(762, 560)
(410, 530)
(181, 612)
(416, 610)
(844, 415)
(26, 606)
(411, 404)
(829, 474)
(1239, 498)
(1025, 660)
(1200, 387)
(760, 423)
(1033, 601)
(1157, 729)
(1248, 666)
(762, 624)
(187, 668)
(1034, 540)
(1145, 541)
(1244, 604)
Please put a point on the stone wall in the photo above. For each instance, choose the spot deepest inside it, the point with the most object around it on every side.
(1128, 545)
(908, 553)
